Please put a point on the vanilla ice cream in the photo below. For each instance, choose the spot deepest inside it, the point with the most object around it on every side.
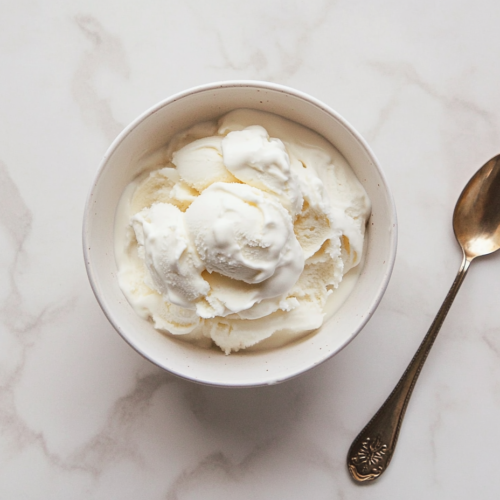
(240, 232)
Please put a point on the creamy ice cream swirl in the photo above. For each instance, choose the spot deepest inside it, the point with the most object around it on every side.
(244, 235)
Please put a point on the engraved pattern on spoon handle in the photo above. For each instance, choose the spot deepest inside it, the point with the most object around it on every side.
(372, 450)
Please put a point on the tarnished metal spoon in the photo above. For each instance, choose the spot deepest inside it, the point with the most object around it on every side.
(476, 222)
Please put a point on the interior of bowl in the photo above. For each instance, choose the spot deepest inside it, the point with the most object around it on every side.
(210, 366)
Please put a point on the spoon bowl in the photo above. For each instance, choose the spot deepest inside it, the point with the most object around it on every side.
(476, 223)
(476, 219)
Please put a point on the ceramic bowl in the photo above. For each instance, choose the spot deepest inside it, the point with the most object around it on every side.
(153, 130)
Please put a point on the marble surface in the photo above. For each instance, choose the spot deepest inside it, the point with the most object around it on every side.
(82, 416)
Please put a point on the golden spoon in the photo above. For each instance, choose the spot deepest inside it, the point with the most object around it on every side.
(476, 223)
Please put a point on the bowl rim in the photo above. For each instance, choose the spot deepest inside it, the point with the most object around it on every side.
(262, 85)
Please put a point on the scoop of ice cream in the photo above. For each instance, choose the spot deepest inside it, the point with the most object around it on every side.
(169, 255)
(247, 236)
(163, 186)
(259, 161)
(200, 163)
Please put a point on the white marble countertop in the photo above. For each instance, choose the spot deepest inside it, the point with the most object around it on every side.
(82, 416)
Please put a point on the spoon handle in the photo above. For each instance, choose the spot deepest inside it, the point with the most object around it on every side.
(372, 450)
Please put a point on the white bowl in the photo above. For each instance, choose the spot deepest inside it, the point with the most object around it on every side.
(152, 130)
